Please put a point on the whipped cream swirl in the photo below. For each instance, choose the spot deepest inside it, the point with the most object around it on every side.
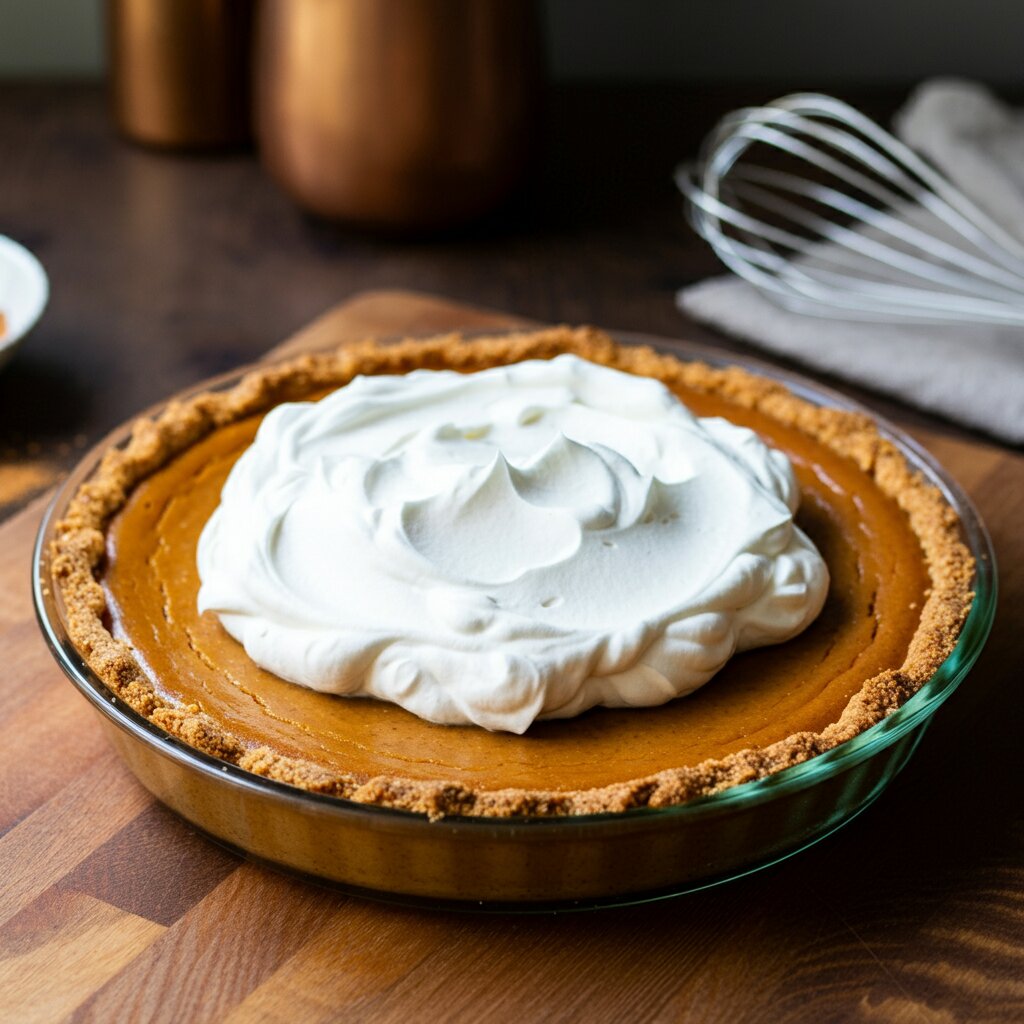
(521, 543)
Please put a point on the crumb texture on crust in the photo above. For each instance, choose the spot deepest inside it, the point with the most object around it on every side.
(77, 552)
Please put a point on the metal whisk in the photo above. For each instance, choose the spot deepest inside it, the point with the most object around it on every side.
(863, 229)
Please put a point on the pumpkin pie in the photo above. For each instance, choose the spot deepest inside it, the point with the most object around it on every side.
(124, 563)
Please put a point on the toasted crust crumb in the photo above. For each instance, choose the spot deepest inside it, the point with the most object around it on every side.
(78, 548)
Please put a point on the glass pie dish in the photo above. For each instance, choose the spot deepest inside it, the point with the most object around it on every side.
(529, 863)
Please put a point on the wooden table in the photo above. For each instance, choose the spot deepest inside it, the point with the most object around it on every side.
(166, 270)
(112, 906)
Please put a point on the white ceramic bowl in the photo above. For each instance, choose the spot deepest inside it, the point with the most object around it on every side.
(24, 289)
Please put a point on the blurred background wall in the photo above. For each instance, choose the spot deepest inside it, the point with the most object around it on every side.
(811, 42)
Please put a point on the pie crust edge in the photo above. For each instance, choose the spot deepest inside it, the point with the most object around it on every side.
(78, 552)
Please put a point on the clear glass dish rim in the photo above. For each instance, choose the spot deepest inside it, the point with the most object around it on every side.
(865, 745)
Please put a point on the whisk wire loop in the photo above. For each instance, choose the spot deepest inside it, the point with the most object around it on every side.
(872, 232)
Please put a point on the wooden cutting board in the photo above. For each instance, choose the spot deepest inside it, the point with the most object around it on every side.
(111, 908)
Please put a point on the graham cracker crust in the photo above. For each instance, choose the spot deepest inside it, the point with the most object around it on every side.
(78, 551)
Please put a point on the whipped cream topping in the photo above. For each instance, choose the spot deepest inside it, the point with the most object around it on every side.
(494, 548)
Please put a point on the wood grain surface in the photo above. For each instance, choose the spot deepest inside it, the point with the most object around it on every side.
(113, 909)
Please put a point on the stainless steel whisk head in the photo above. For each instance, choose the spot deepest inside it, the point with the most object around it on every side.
(862, 229)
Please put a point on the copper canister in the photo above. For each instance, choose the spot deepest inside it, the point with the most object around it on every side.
(397, 113)
(180, 71)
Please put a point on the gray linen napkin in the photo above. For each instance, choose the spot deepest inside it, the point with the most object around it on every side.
(972, 374)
